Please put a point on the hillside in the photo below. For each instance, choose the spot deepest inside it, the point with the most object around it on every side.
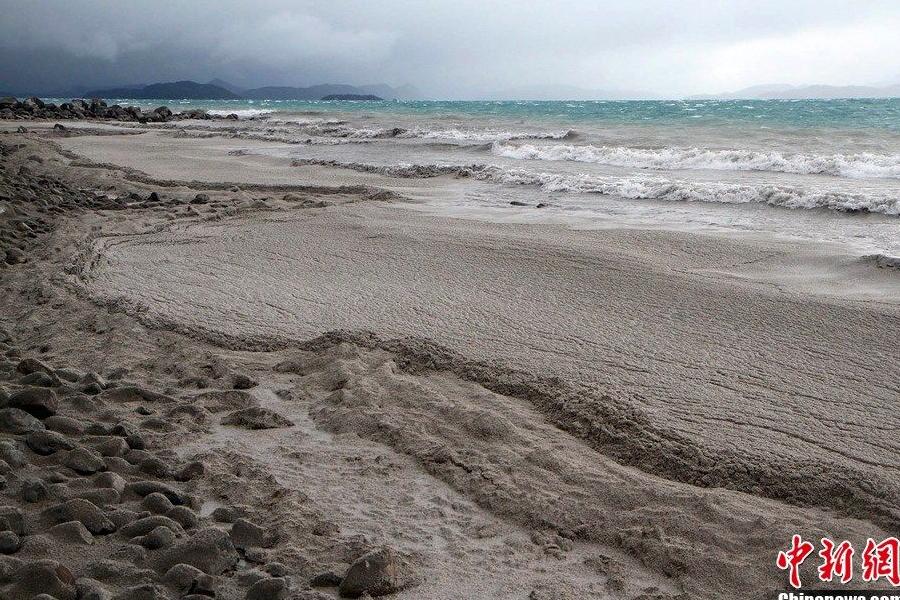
(174, 90)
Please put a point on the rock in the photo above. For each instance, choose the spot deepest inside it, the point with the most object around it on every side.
(14, 256)
(39, 378)
(275, 569)
(145, 525)
(111, 446)
(84, 512)
(190, 471)
(69, 375)
(48, 442)
(184, 516)
(12, 519)
(8, 101)
(245, 534)
(84, 461)
(71, 532)
(224, 514)
(34, 490)
(377, 573)
(182, 577)
(59, 127)
(326, 579)
(91, 589)
(64, 425)
(43, 577)
(92, 378)
(32, 365)
(9, 542)
(10, 453)
(517, 203)
(18, 422)
(153, 197)
(143, 488)
(156, 503)
(239, 381)
(256, 417)
(110, 480)
(542, 205)
(133, 393)
(209, 550)
(268, 589)
(159, 537)
(100, 497)
(156, 467)
(144, 591)
(39, 402)
(200, 199)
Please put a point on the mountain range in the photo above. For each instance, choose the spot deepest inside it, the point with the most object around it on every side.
(776, 91)
(218, 89)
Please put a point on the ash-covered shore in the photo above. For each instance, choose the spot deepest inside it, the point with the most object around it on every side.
(146, 458)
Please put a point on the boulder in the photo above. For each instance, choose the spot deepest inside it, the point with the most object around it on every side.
(245, 534)
(84, 461)
(275, 588)
(12, 519)
(9, 542)
(64, 425)
(71, 532)
(43, 577)
(31, 365)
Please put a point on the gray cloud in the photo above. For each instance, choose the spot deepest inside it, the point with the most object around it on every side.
(452, 48)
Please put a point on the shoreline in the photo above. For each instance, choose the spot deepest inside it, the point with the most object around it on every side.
(489, 418)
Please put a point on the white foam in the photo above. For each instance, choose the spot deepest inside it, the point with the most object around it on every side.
(241, 112)
(861, 165)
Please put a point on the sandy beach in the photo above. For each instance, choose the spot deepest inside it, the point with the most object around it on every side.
(504, 408)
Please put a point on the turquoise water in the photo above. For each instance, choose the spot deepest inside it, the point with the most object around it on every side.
(855, 113)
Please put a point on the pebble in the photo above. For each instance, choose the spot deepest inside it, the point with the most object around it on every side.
(159, 537)
(71, 532)
(143, 488)
(157, 503)
(184, 516)
(39, 402)
(34, 490)
(245, 534)
(64, 425)
(110, 480)
(11, 454)
(43, 577)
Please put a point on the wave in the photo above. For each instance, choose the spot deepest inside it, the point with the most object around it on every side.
(342, 130)
(243, 113)
(643, 187)
(839, 165)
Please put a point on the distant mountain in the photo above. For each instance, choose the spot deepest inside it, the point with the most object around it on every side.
(318, 92)
(351, 97)
(569, 92)
(812, 92)
(174, 90)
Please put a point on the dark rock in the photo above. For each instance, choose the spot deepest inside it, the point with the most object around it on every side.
(145, 525)
(239, 381)
(268, 589)
(245, 534)
(34, 490)
(144, 591)
(256, 417)
(517, 203)
(184, 516)
(209, 550)
(159, 537)
(43, 577)
(12, 519)
(37, 401)
(156, 503)
(39, 379)
(326, 579)
(224, 514)
(377, 573)
(91, 589)
(110, 480)
(10, 453)
(32, 365)
(542, 205)
(64, 425)
(9, 542)
(59, 127)
(200, 199)
(83, 511)
(153, 197)
(100, 497)
(143, 488)
(47, 442)
(17, 421)
(15, 256)
(182, 577)
(71, 532)
(84, 461)
(191, 470)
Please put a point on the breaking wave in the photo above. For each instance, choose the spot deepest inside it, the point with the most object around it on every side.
(243, 113)
(644, 187)
(839, 165)
(342, 130)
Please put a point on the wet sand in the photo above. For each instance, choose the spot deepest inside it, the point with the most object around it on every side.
(668, 401)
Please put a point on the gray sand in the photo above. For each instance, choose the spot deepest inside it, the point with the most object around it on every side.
(626, 381)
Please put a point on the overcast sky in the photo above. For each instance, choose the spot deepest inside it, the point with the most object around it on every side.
(452, 48)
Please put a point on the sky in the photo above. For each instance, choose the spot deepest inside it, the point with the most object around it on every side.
(452, 48)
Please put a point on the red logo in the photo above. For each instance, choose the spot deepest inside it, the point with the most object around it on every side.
(880, 560)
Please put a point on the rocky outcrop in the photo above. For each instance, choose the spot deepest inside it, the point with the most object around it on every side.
(93, 109)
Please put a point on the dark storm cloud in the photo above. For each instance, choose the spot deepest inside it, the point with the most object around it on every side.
(452, 48)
